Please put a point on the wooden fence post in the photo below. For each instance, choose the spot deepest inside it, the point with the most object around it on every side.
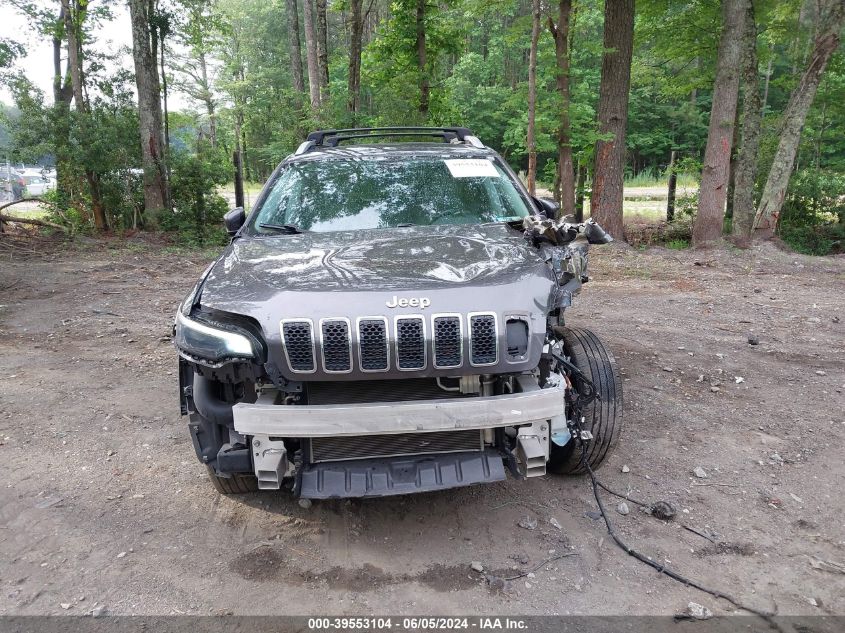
(673, 183)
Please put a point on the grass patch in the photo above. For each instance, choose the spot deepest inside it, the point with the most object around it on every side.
(654, 178)
(815, 240)
(678, 244)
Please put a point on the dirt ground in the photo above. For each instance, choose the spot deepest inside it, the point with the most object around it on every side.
(105, 506)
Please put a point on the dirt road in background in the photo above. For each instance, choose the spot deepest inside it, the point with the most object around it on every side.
(104, 505)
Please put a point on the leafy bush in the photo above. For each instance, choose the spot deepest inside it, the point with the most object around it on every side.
(813, 217)
(123, 197)
(59, 212)
(815, 240)
(198, 210)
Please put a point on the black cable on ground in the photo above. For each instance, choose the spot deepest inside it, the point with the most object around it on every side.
(662, 568)
(626, 497)
(582, 438)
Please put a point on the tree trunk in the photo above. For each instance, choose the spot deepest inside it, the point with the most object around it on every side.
(295, 48)
(421, 61)
(355, 45)
(729, 202)
(322, 51)
(208, 99)
(713, 191)
(673, 185)
(745, 173)
(531, 141)
(62, 97)
(165, 148)
(149, 111)
(74, 57)
(74, 15)
(766, 85)
(607, 196)
(311, 54)
(831, 19)
(566, 174)
(579, 192)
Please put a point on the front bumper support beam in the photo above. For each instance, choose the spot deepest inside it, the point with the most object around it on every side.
(264, 417)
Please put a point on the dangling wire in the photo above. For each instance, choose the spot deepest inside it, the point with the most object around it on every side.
(579, 437)
(581, 398)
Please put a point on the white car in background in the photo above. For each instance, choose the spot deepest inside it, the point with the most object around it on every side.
(37, 183)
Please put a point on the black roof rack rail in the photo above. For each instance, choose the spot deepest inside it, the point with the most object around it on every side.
(333, 137)
(334, 141)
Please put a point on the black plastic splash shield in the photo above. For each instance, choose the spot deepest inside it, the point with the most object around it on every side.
(400, 475)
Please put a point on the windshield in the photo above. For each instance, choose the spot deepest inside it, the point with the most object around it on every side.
(348, 194)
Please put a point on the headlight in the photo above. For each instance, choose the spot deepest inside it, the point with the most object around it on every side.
(204, 341)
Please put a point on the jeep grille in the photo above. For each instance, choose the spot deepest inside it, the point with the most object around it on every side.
(298, 340)
(337, 351)
(411, 341)
(448, 342)
(372, 342)
(484, 350)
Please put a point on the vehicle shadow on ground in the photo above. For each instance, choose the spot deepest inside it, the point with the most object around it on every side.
(356, 543)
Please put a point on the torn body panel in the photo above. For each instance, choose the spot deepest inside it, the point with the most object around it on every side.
(385, 360)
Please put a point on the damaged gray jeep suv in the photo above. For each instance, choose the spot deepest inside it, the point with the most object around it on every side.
(388, 319)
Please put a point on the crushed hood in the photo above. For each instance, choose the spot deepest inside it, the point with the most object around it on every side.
(358, 274)
(418, 258)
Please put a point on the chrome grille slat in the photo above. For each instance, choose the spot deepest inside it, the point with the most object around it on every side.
(373, 347)
(358, 447)
(483, 339)
(448, 340)
(336, 345)
(410, 343)
(298, 341)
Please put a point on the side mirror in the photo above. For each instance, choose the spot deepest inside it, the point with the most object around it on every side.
(595, 234)
(547, 207)
(234, 220)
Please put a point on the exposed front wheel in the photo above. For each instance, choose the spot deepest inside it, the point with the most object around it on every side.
(603, 416)
(236, 484)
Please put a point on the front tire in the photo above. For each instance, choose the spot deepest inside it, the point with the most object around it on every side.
(235, 485)
(603, 416)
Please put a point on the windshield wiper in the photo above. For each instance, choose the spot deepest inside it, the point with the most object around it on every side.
(282, 228)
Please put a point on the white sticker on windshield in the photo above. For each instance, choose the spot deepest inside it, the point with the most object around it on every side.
(471, 168)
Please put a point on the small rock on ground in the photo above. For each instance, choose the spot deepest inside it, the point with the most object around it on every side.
(623, 508)
(698, 611)
(528, 523)
(700, 472)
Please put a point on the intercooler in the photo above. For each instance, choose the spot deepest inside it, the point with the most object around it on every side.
(387, 445)
(358, 391)
(328, 449)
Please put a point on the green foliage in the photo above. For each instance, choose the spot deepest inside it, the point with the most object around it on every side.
(197, 216)
(813, 216)
(678, 244)
(232, 62)
(815, 240)
(9, 51)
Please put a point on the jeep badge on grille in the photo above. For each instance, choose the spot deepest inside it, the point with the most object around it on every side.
(413, 302)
